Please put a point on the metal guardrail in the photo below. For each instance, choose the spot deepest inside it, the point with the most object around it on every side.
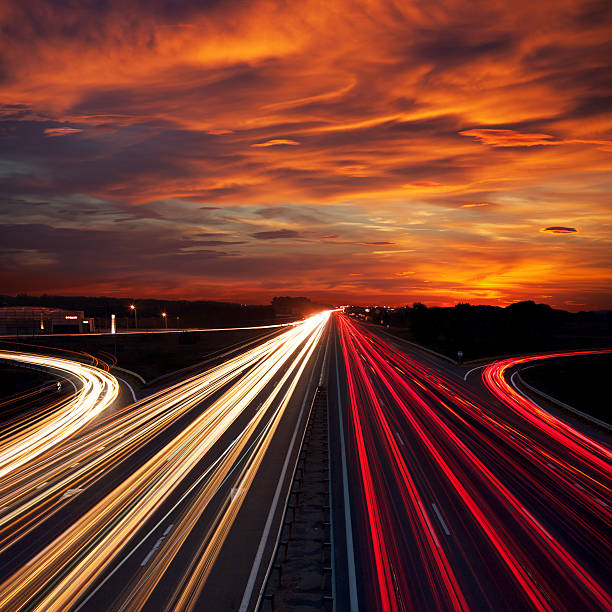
(305, 477)
(583, 415)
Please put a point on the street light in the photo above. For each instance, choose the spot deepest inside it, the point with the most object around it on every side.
(165, 318)
(133, 307)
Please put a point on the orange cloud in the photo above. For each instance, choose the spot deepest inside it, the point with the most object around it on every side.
(180, 111)
(275, 142)
(509, 138)
(62, 131)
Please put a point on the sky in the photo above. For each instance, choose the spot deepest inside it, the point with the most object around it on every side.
(353, 152)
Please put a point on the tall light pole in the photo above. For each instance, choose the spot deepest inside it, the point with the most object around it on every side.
(133, 307)
(165, 318)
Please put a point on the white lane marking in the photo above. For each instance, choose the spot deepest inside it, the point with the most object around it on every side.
(168, 529)
(248, 591)
(236, 491)
(579, 486)
(474, 369)
(446, 531)
(601, 502)
(157, 525)
(127, 384)
(42, 484)
(350, 551)
(399, 438)
(70, 492)
(152, 551)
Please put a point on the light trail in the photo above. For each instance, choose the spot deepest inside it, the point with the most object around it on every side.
(580, 445)
(62, 574)
(79, 462)
(520, 529)
(33, 435)
(128, 332)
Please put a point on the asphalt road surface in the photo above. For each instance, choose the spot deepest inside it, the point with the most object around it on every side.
(446, 494)
(167, 503)
(462, 495)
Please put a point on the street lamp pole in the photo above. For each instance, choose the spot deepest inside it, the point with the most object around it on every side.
(165, 318)
(133, 307)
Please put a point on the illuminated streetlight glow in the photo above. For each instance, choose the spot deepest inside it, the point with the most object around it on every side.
(133, 307)
(165, 318)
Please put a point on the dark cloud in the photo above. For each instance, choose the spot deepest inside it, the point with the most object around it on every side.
(211, 243)
(509, 138)
(136, 122)
(557, 229)
(273, 235)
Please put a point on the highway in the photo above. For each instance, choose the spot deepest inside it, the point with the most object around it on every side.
(26, 438)
(461, 495)
(446, 494)
(145, 504)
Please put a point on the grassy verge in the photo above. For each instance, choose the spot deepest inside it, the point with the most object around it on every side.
(150, 355)
(581, 382)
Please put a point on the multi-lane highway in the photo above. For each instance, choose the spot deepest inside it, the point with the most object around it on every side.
(462, 498)
(446, 494)
(142, 506)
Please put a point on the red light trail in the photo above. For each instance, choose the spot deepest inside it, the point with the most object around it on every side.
(530, 504)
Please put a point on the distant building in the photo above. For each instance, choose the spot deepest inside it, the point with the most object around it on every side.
(19, 320)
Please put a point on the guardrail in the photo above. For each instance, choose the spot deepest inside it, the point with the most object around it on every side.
(307, 512)
(564, 406)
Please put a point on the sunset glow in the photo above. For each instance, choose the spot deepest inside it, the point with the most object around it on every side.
(382, 151)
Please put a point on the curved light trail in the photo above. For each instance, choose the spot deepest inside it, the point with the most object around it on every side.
(64, 572)
(582, 446)
(31, 436)
(463, 503)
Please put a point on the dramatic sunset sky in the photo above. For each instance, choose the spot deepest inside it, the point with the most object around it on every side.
(367, 151)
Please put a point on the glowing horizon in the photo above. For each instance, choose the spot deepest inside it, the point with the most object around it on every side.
(353, 152)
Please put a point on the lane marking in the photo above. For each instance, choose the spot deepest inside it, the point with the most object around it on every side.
(248, 591)
(473, 370)
(350, 550)
(158, 524)
(446, 531)
(397, 433)
(152, 551)
(168, 529)
(127, 384)
(70, 493)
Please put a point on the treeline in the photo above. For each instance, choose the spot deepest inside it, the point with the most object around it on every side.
(179, 313)
(481, 331)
